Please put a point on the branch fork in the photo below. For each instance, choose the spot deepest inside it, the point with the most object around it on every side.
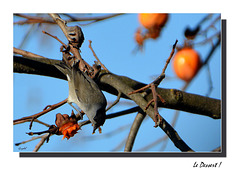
(47, 109)
(153, 86)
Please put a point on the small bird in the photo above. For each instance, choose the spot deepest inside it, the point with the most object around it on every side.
(85, 93)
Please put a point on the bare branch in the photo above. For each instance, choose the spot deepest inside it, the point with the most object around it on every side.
(133, 131)
(35, 116)
(115, 102)
(55, 37)
(35, 19)
(29, 120)
(94, 54)
(41, 142)
(139, 100)
(175, 99)
(113, 115)
(26, 53)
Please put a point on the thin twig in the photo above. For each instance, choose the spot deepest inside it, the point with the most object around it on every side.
(207, 40)
(115, 102)
(94, 54)
(124, 112)
(170, 57)
(35, 116)
(96, 19)
(29, 120)
(211, 51)
(210, 25)
(157, 117)
(32, 139)
(140, 89)
(158, 80)
(26, 53)
(113, 115)
(35, 19)
(55, 37)
(41, 142)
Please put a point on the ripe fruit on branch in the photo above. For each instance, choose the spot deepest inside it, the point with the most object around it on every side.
(68, 126)
(153, 23)
(186, 63)
(153, 20)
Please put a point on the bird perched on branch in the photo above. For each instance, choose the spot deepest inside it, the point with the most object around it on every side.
(85, 93)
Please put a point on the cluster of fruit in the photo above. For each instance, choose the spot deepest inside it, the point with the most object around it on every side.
(186, 62)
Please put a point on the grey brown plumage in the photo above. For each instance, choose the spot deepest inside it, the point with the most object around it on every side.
(85, 93)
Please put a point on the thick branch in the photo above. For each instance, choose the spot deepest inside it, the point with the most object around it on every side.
(175, 99)
(114, 81)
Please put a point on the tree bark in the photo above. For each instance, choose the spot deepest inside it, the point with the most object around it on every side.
(175, 99)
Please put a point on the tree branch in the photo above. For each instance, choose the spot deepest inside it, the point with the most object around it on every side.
(29, 19)
(37, 115)
(113, 115)
(134, 130)
(114, 81)
(41, 142)
(26, 53)
(175, 99)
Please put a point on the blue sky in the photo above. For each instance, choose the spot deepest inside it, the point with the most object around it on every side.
(113, 42)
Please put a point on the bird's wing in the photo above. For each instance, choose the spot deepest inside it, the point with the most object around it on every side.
(63, 68)
(86, 89)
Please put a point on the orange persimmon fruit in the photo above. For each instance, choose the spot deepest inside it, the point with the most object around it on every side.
(68, 126)
(151, 20)
(69, 129)
(186, 63)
